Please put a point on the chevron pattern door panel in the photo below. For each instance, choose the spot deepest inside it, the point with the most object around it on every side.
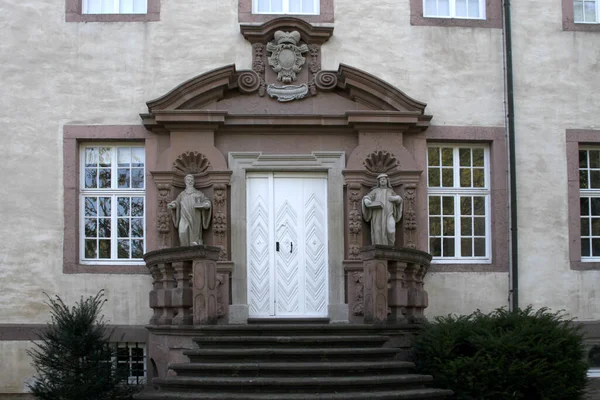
(287, 277)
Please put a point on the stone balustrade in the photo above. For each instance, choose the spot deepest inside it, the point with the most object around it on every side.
(388, 288)
(188, 287)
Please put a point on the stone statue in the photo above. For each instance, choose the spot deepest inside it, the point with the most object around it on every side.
(383, 208)
(191, 212)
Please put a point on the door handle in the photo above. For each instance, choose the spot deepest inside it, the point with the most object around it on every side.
(277, 246)
(291, 246)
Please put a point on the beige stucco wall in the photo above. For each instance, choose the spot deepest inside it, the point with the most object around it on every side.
(15, 366)
(556, 88)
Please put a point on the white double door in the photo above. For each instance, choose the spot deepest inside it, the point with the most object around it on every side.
(287, 244)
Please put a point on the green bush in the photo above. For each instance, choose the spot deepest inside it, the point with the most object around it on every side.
(73, 357)
(524, 354)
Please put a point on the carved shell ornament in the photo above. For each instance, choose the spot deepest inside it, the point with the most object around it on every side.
(380, 161)
(190, 162)
(286, 56)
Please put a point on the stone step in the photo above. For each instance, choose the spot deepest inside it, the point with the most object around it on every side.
(262, 354)
(319, 384)
(291, 341)
(371, 394)
(286, 369)
(302, 329)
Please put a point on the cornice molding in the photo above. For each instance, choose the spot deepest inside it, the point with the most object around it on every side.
(309, 33)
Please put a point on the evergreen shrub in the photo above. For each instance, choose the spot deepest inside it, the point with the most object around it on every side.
(524, 354)
(73, 357)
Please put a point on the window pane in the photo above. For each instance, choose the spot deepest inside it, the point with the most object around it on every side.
(595, 205)
(137, 157)
(123, 178)
(478, 157)
(435, 247)
(137, 206)
(137, 248)
(448, 205)
(104, 248)
(276, 6)
(91, 204)
(433, 156)
(93, 6)
(584, 205)
(589, 10)
(461, 8)
(479, 226)
(91, 178)
(434, 205)
(466, 247)
(578, 11)
(140, 6)
(126, 6)
(594, 158)
(443, 8)
(137, 227)
(465, 157)
(123, 248)
(447, 157)
(466, 228)
(585, 227)
(104, 178)
(90, 248)
(91, 156)
(478, 177)
(104, 227)
(479, 205)
(262, 6)
(137, 178)
(595, 247)
(479, 247)
(582, 159)
(594, 179)
(465, 206)
(123, 230)
(595, 226)
(583, 179)
(448, 226)
(448, 247)
(434, 177)
(465, 177)
(123, 210)
(104, 206)
(447, 177)
(435, 226)
(105, 156)
(430, 8)
(585, 247)
(91, 227)
(473, 8)
(124, 157)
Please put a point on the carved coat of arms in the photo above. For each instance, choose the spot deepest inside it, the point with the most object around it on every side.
(286, 58)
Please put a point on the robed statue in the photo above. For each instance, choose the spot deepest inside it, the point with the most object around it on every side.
(191, 212)
(383, 209)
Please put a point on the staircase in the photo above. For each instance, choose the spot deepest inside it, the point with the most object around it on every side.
(293, 362)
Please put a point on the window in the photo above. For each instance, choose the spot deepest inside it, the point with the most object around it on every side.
(474, 9)
(132, 357)
(308, 7)
(114, 7)
(112, 203)
(589, 203)
(585, 11)
(459, 202)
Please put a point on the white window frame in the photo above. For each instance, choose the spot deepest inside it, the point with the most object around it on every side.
(85, 6)
(597, 21)
(133, 380)
(452, 11)
(113, 193)
(286, 8)
(456, 191)
(589, 193)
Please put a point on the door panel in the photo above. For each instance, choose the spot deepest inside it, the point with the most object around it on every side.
(287, 244)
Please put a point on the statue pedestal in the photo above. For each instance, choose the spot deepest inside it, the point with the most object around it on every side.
(174, 300)
(393, 284)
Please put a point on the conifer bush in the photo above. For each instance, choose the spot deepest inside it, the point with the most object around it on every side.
(73, 357)
(524, 354)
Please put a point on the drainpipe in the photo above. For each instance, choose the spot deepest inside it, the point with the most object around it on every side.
(510, 126)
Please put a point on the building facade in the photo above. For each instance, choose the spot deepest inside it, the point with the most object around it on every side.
(107, 105)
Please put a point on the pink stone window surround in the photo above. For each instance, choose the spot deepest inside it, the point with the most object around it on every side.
(492, 14)
(74, 13)
(577, 140)
(246, 14)
(73, 138)
(494, 139)
(569, 24)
